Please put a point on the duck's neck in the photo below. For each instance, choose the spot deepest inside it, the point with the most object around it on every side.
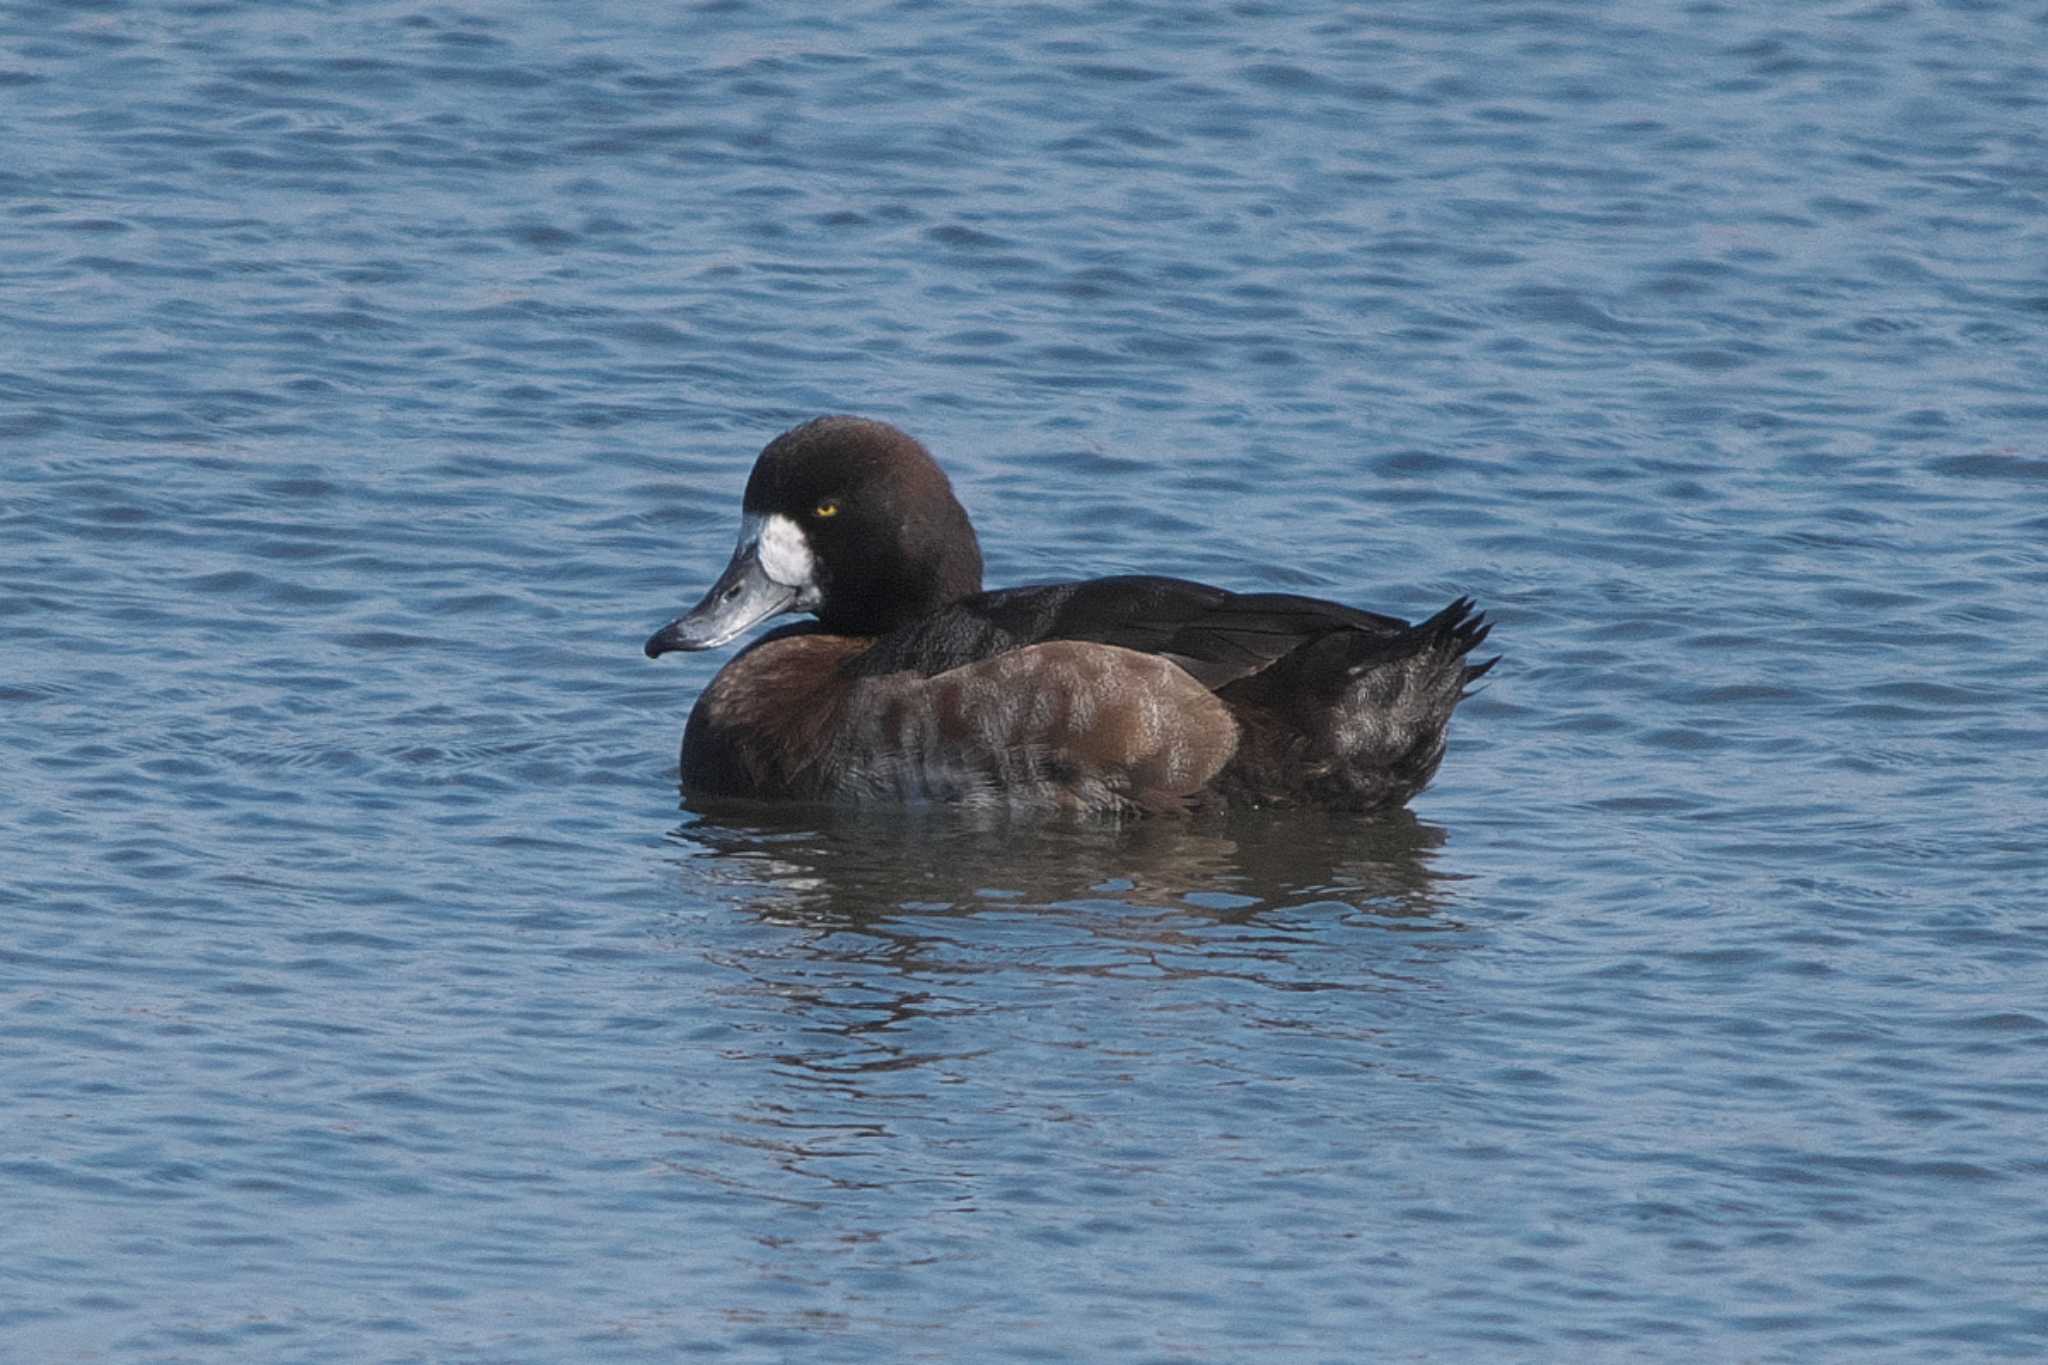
(895, 589)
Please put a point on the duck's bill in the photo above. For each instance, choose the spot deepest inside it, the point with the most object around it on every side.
(743, 597)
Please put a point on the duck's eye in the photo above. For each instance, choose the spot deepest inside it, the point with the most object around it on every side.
(828, 508)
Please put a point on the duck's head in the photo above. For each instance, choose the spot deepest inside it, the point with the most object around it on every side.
(845, 517)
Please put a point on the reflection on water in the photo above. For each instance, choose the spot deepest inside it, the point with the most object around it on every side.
(938, 1006)
(854, 868)
(886, 943)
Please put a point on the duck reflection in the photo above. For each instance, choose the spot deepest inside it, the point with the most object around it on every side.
(902, 983)
(855, 868)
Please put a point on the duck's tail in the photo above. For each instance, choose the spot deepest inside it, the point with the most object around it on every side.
(1357, 717)
(1459, 629)
(1384, 736)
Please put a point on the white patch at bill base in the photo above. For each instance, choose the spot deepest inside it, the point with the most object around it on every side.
(785, 552)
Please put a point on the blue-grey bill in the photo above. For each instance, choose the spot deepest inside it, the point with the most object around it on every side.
(743, 596)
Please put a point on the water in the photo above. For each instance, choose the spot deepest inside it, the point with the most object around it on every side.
(375, 378)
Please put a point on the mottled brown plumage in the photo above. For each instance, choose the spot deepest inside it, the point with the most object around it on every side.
(1065, 724)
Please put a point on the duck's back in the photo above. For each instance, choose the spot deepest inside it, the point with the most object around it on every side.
(1216, 636)
(1334, 706)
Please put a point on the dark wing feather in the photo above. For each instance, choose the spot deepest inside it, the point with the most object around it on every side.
(1216, 636)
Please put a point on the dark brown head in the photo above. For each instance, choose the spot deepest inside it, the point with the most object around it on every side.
(849, 518)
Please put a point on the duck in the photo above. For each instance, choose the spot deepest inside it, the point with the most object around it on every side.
(1128, 695)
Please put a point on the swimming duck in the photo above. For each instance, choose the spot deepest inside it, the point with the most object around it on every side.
(1127, 694)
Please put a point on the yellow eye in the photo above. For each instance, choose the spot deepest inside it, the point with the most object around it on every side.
(828, 508)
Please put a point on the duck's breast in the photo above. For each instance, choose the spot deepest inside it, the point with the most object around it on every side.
(770, 723)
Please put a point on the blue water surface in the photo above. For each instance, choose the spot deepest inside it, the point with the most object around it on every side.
(375, 376)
